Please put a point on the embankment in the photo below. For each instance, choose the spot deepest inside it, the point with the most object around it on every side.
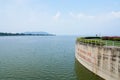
(104, 61)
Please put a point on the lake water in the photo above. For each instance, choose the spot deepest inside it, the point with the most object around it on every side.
(40, 58)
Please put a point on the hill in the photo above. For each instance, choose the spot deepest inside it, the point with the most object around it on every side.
(27, 34)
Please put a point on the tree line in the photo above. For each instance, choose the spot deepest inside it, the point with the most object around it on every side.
(23, 34)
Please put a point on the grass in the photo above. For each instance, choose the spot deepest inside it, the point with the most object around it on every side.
(91, 41)
(99, 42)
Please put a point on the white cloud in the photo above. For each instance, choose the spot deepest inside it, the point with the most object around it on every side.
(103, 17)
(95, 23)
(81, 16)
(57, 16)
(20, 15)
(116, 14)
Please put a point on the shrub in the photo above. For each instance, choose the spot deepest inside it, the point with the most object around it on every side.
(116, 39)
(113, 38)
(91, 41)
(92, 37)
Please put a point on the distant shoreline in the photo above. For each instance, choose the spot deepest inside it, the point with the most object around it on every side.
(23, 34)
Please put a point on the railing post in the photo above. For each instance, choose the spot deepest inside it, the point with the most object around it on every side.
(113, 43)
(106, 43)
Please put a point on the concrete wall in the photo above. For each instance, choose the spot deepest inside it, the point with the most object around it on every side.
(103, 61)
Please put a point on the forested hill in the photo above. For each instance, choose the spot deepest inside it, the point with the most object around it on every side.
(26, 34)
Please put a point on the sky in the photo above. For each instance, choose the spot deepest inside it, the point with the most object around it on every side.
(61, 17)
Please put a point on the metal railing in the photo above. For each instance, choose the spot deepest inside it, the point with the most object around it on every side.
(112, 43)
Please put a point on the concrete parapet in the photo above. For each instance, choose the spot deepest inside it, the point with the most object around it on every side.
(101, 60)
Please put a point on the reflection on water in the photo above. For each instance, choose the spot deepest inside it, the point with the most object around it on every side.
(83, 73)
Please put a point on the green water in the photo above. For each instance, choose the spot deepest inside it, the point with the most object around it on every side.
(83, 73)
(39, 58)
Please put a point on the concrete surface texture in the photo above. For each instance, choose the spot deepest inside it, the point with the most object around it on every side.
(104, 61)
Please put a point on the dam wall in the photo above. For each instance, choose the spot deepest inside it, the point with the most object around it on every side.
(104, 61)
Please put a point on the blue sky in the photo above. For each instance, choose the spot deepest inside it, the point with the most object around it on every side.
(62, 17)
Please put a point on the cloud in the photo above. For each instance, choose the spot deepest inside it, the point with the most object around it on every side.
(116, 14)
(24, 15)
(57, 16)
(99, 23)
(81, 16)
(103, 17)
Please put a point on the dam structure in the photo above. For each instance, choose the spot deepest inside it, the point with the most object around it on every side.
(103, 61)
